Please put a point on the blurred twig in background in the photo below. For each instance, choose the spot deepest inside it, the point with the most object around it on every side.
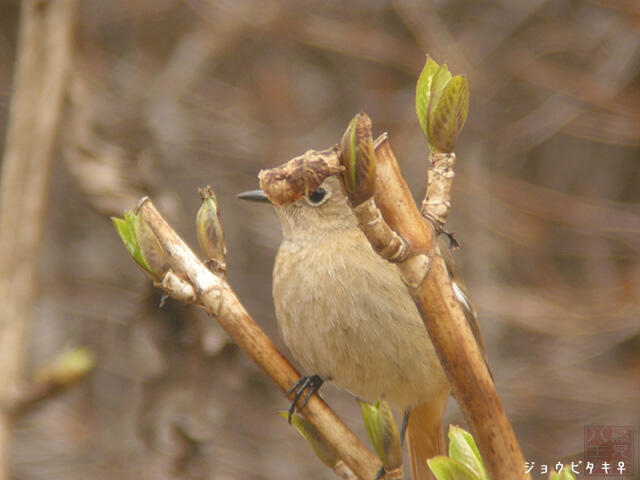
(44, 60)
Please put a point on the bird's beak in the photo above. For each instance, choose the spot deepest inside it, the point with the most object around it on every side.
(254, 196)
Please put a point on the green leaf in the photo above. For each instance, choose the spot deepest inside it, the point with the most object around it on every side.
(566, 474)
(372, 425)
(463, 449)
(127, 235)
(423, 91)
(442, 104)
(440, 81)
(445, 468)
(127, 229)
(323, 451)
(383, 432)
(450, 114)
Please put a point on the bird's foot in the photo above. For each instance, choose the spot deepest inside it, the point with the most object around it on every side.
(311, 384)
(405, 421)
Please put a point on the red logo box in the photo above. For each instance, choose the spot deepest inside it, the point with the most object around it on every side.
(608, 451)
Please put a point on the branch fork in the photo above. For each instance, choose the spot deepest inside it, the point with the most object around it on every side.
(426, 276)
(387, 243)
(396, 229)
(177, 288)
(176, 269)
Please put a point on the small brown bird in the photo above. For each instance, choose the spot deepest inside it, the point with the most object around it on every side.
(346, 316)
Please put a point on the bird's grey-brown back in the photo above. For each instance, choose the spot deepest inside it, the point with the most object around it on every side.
(344, 312)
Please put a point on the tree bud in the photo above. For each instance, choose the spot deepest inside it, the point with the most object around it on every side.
(357, 155)
(442, 104)
(209, 227)
(324, 452)
(383, 433)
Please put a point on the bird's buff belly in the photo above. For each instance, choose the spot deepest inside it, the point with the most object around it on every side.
(363, 332)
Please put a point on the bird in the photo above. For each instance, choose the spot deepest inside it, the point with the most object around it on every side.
(346, 316)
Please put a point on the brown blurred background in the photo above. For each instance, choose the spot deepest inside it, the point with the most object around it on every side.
(170, 95)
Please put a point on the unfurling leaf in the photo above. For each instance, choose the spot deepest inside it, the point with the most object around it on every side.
(440, 81)
(383, 432)
(445, 468)
(565, 474)
(442, 103)
(324, 452)
(450, 115)
(209, 227)
(357, 156)
(423, 91)
(141, 243)
(463, 449)
(126, 228)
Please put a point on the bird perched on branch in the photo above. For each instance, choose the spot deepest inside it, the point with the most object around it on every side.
(348, 318)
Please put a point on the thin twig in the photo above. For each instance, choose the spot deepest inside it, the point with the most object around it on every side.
(387, 243)
(212, 293)
(43, 62)
(51, 380)
(437, 199)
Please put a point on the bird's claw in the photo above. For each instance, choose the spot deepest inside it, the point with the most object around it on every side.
(405, 422)
(310, 383)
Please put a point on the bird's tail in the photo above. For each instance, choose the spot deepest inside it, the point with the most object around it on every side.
(425, 436)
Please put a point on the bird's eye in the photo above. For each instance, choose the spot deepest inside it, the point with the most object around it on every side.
(317, 197)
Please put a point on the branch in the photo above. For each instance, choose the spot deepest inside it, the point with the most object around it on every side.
(52, 380)
(299, 176)
(43, 62)
(424, 272)
(428, 282)
(186, 277)
(437, 199)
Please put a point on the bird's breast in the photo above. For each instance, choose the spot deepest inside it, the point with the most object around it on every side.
(346, 315)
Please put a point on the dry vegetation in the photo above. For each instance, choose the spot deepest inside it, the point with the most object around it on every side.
(169, 95)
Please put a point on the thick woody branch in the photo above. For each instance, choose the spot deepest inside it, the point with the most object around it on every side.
(214, 295)
(342, 471)
(428, 282)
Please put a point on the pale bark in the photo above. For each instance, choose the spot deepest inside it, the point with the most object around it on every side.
(426, 277)
(188, 279)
